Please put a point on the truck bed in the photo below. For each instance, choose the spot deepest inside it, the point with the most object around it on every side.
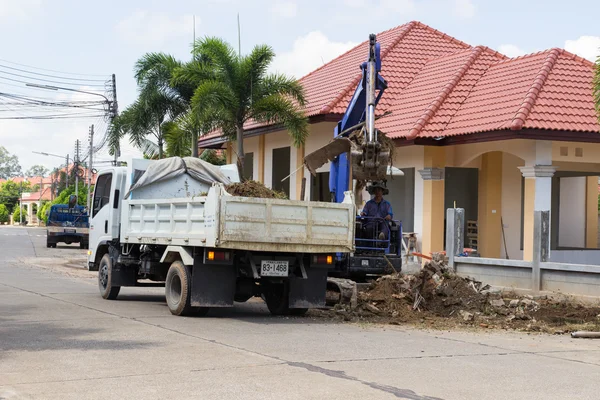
(223, 221)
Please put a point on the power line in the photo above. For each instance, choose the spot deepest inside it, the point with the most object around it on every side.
(53, 76)
(44, 80)
(51, 70)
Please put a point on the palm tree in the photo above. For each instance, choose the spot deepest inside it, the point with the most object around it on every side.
(238, 88)
(158, 102)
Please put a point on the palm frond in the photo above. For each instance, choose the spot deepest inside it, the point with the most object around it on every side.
(220, 55)
(276, 109)
(279, 84)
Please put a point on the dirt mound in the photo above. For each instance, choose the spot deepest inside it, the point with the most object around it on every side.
(253, 189)
(438, 298)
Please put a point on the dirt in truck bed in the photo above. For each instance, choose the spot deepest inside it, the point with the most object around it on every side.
(439, 299)
(254, 189)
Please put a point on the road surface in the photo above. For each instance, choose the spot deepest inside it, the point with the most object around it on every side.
(60, 340)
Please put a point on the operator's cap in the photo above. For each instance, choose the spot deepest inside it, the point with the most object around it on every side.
(371, 188)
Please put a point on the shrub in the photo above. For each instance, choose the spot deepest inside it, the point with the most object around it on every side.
(3, 214)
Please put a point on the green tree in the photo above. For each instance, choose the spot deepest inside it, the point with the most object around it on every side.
(37, 170)
(159, 102)
(3, 214)
(237, 88)
(211, 156)
(10, 192)
(17, 215)
(9, 164)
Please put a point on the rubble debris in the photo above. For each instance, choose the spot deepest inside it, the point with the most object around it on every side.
(253, 189)
(497, 302)
(467, 316)
(439, 298)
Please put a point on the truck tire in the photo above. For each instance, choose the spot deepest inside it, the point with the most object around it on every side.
(107, 291)
(276, 295)
(178, 287)
(83, 244)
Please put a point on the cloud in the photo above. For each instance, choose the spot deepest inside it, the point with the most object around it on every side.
(511, 50)
(354, 3)
(146, 27)
(19, 10)
(284, 9)
(586, 47)
(398, 6)
(464, 8)
(308, 53)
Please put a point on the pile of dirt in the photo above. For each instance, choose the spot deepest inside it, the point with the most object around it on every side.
(254, 189)
(438, 298)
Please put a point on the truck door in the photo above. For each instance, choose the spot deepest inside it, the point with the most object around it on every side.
(100, 225)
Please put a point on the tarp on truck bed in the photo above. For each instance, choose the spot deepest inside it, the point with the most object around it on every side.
(172, 167)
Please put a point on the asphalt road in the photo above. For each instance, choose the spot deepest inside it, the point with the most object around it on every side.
(60, 340)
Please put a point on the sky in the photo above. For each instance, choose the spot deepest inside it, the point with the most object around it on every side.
(104, 38)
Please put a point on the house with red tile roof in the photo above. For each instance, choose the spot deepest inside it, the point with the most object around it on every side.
(497, 136)
(32, 201)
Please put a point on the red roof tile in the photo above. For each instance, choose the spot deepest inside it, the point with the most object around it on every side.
(439, 86)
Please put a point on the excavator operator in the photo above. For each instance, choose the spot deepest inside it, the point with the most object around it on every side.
(377, 207)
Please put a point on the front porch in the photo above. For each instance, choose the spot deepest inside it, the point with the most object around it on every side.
(500, 184)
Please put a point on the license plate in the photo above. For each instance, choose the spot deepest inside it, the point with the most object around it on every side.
(274, 268)
(69, 230)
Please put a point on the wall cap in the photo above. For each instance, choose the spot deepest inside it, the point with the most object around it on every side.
(538, 171)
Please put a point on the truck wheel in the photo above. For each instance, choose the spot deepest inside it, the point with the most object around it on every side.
(83, 245)
(178, 289)
(276, 295)
(107, 291)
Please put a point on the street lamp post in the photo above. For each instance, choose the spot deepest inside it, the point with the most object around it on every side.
(56, 155)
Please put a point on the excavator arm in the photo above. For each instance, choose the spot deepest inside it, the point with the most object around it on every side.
(355, 134)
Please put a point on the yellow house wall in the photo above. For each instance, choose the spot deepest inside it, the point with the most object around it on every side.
(511, 206)
(490, 205)
(433, 202)
(591, 227)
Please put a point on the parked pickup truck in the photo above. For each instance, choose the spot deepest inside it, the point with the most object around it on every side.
(171, 222)
(68, 225)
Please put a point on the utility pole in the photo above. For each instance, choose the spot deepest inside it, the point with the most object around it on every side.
(76, 166)
(21, 204)
(89, 195)
(113, 112)
(67, 174)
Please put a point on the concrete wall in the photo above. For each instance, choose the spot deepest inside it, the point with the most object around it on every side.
(496, 272)
(589, 257)
(571, 279)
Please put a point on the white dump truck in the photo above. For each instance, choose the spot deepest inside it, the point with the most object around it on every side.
(172, 223)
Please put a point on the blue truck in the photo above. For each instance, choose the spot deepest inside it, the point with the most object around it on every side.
(67, 224)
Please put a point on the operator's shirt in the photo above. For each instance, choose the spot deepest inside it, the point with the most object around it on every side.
(380, 210)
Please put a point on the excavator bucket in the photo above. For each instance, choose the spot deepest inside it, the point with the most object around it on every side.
(329, 152)
(370, 161)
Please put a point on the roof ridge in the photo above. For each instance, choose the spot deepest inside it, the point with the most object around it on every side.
(442, 34)
(435, 105)
(523, 112)
(403, 26)
(326, 109)
(575, 57)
